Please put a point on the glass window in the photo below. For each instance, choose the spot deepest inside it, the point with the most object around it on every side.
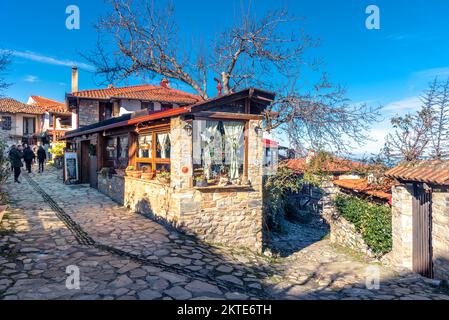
(145, 146)
(218, 151)
(6, 123)
(111, 148)
(117, 151)
(163, 146)
(154, 150)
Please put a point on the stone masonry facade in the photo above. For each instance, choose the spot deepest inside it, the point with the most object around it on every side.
(88, 112)
(402, 225)
(231, 216)
(402, 253)
(440, 234)
(342, 232)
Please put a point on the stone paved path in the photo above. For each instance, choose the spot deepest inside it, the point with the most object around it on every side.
(144, 260)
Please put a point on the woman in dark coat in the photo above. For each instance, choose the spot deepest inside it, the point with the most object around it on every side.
(15, 157)
(28, 156)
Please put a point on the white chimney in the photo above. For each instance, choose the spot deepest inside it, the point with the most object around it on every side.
(74, 79)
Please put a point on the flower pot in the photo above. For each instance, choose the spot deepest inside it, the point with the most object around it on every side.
(129, 173)
(147, 175)
(137, 174)
(163, 180)
(201, 183)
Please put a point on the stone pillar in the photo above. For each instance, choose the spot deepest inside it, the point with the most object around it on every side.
(440, 234)
(181, 155)
(402, 225)
(328, 194)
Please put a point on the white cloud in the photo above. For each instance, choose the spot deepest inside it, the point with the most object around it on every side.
(432, 73)
(31, 78)
(405, 105)
(28, 55)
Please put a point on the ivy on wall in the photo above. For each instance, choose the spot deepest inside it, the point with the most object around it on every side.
(372, 221)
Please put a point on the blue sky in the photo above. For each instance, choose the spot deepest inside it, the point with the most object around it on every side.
(388, 67)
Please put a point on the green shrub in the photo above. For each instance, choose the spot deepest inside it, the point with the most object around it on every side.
(276, 190)
(372, 221)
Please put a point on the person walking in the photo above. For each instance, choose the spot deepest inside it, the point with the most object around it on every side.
(28, 156)
(16, 156)
(9, 155)
(41, 157)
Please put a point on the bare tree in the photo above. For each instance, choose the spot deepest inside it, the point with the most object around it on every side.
(411, 137)
(4, 62)
(436, 98)
(268, 52)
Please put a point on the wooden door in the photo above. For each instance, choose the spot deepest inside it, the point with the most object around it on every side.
(422, 231)
(85, 162)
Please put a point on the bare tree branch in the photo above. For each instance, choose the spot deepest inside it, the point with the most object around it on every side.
(267, 52)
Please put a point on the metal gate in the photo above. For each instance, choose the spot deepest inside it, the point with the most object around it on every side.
(422, 231)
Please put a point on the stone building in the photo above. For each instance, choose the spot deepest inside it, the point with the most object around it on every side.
(421, 217)
(196, 165)
(19, 122)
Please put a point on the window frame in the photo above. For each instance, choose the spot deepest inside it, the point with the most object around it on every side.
(8, 120)
(153, 161)
(246, 129)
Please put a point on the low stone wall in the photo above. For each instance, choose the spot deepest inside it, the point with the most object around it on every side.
(440, 234)
(344, 233)
(113, 187)
(229, 216)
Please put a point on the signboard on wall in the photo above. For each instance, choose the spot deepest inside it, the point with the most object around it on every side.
(71, 166)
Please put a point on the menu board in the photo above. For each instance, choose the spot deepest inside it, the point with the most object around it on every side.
(71, 166)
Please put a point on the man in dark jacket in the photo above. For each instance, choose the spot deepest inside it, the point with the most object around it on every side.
(16, 156)
(28, 156)
(9, 155)
(41, 157)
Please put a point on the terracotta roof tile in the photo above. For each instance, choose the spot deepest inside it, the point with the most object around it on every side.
(333, 165)
(433, 172)
(382, 191)
(49, 104)
(9, 105)
(141, 92)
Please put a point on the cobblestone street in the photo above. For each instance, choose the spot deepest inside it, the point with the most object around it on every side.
(124, 255)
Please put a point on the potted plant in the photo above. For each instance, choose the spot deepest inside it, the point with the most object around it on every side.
(129, 170)
(163, 177)
(147, 174)
(137, 174)
(201, 181)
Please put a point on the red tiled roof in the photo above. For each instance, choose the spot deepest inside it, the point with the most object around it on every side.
(9, 105)
(49, 104)
(332, 165)
(382, 191)
(434, 172)
(141, 92)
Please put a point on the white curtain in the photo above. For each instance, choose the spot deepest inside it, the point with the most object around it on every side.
(164, 142)
(208, 136)
(233, 135)
(144, 140)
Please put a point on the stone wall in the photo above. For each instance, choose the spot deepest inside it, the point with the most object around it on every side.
(88, 112)
(231, 216)
(402, 225)
(440, 234)
(344, 233)
(402, 253)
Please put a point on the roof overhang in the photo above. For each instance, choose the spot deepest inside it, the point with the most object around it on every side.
(258, 95)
